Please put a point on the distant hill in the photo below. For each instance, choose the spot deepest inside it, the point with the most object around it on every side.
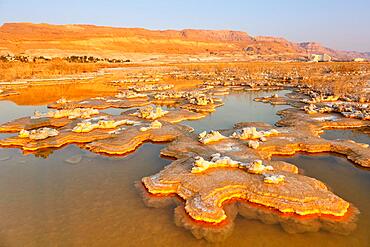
(63, 40)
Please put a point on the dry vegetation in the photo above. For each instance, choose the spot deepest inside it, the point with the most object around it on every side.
(332, 77)
(10, 71)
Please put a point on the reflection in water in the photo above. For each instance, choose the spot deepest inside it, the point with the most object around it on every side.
(346, 180)
(94, 202)
(239, 107)
(360, 135)
(290, 223)
(45, 94)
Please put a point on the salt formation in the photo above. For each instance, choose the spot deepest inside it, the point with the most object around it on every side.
(312, 109)
(254, 167)
(212, 136)
(252, 133)
(84, 127)
(38, 134)
(113, 100)
(200, 99)
(253, 144)
(153, 125)
(151, 87)
(205, 193)
(71, 114)
(257, 167)
(357, 110)
(98, 98)
(354, 110)
(217, 160)
(62, 101)
(130, 95)
(89, 125)
(273, 179)
(315, 98)
(150, 112)
(117, 131)
(168, 95)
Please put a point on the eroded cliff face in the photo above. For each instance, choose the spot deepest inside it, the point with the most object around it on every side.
(64, 40)
(28, 38)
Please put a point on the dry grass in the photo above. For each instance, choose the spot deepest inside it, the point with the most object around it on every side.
(278, 67)
(10, 71)
(332, 77)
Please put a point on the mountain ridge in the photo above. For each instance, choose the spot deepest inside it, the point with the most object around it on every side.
(43, 38)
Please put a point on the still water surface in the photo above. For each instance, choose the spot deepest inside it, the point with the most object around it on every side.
(46, 201)
(361, 135)
(239, 107)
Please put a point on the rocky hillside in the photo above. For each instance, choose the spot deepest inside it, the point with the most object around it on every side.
(62, 40)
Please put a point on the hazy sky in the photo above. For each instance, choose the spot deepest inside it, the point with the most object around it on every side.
(340, 24)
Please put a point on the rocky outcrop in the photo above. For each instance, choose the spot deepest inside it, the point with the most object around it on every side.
(133, 137)
(212, 136)
(253, 133)
(205, 193)
(130, 95)
(38, 134)
(89, 125)
(150, 112)
(350, 110)
(29, 123)
(68, 113)
(103, 103)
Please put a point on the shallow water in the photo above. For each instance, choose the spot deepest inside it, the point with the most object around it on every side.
(47, 201)
(239, 107)
(357, 135)
(113, 111)
(345, 179)
(10, 110)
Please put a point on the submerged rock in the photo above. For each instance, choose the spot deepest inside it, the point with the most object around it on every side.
(4, 158)
(74, 159)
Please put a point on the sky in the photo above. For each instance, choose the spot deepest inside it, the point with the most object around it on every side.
(338, 24)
